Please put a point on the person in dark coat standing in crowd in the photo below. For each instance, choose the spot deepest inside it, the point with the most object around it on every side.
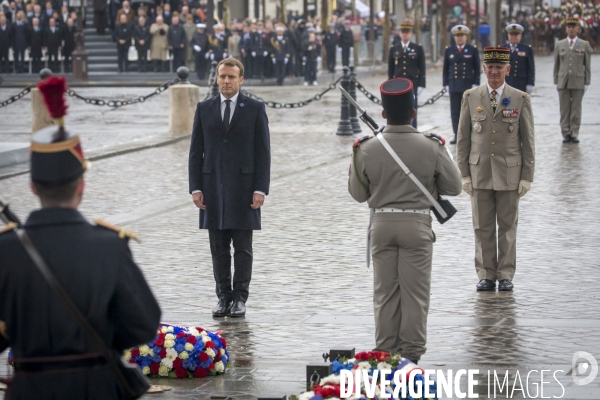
(312, 51)
(5, 44)
(177, 40)
(69, 44)
(100, 16)
(53, 43)
(53, 358)
(462, 71)
(331, 41)
(280, 53)
(141, 36)
(199, 43)
(123, 34)
(36, 42)
(522, 65)
(258, 51)
(20, 33)
(346, 43)
(298, 50)
(407, 60)
(229, 176)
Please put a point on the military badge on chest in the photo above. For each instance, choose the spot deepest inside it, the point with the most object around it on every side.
(477, 126)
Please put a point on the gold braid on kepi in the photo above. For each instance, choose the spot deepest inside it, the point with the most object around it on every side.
(406, 26)
(56, 153)
(571, 20)
(498, 55)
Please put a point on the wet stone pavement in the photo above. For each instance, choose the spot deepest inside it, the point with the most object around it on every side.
(311, 290)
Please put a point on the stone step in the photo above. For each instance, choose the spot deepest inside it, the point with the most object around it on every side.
(13, 153)
(102, 52)
(104, 67)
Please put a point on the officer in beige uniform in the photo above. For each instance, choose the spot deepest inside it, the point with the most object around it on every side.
(572, 76)
(495, 154)
(400, 232)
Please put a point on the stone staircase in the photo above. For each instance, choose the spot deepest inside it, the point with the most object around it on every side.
(102, 51)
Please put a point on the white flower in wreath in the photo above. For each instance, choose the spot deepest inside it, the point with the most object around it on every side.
(203, 333)
(222, 352)
(127, 355)
(144, 349)
(163, 370)
(146, 370)
(333, 378)
(206, 339)
(383, 365)
(164, 329)
(306, 395)
(169, 336)
(169, 343)
(151, 353)
(210, 352)
(170, 329)
(219, 367)
(364, 365)
(193, 332)
(189, 346)
(184, 355)
(169, 358)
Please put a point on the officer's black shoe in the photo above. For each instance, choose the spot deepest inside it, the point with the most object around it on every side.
(567, 139)
(486, 285)
(221, 308)
(453, 141)
(574, 140)
(505, 285)
(238, 309)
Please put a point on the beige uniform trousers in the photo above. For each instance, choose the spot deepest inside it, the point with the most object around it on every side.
(570, 111)
(402, 247)
(489, 207)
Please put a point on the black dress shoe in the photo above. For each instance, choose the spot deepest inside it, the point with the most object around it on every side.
(238, 309)
(505, 285)
(567, 139)
(453, 141)
(486, 285)
(574, 140)
(221, 308)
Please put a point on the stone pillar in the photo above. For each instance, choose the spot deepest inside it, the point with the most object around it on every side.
(39, 114)
(183, 99)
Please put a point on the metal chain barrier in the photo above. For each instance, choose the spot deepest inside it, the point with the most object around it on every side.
(275, 104)
(17, 96)
(121, 103)
(376, 99)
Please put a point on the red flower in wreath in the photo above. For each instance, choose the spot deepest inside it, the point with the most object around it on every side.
(163, 353)
(203, 357)
(362, 356)
(180, 372)
(200, 372)
(154, 368)
(224, 343)
(177, 363)
(211, 366)
(327, 390)
(181, 334)
(210, 345)
(191, 339)
(135, 352)
(160, 341)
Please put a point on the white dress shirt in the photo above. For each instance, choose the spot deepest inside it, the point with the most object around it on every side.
(499, 91)
(573, 40)
(232, 108)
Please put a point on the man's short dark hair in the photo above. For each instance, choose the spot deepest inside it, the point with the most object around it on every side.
(231, 62)
(57, 194)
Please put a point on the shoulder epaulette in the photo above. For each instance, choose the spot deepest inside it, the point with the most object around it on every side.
(529, 45)
(436, 137)
(446, 46)
(467, 92)
(359, 141)
(9, 227)
(123, 233)
(524, 94)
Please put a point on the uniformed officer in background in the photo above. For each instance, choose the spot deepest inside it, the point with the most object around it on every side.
(346, 43)
(401, 235)
(462, 71)
(572, 77)
(407, 60)
(53, 358)
(522, 66)
(331, 41)
(281, 49)
(495, 154)
(199, 43)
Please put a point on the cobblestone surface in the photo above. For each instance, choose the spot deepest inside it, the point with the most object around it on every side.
(311, 290)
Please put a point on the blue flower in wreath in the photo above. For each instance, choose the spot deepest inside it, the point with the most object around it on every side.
(505, 101)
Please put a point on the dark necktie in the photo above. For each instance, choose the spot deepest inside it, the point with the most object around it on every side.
(227, 115)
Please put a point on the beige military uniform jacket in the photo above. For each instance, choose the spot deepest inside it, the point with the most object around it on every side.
(572, 67)
(496, 150)
(377, 179)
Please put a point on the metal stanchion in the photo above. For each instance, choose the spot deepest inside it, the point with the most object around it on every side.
(344, 126)
(353, 117)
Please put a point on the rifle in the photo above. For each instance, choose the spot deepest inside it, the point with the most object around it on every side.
(442, 209)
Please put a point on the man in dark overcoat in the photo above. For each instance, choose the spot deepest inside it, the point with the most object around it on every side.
(199, 43)
(68, 31)
(36, 42)
(229, 176)
(53, 43)
(141, 37)
(6, 34)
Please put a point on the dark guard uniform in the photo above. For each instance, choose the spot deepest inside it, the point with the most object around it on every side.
(199, 43)
(53, 358)
(522, 65)
(346, 43)
(462, 71)
(331, 41)
(281, 50)
(400, 231)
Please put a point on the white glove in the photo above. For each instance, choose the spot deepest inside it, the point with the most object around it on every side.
(585, 88)
(274, 60)
(473, 87)
(253, 54)
(207, 55)
(524, 187)
(468, 185)
(265, 53)
(285, 60)
(447, 89)
(225, 54)
(529, 89)
(197, 48)
(319, 59)
(419, 91)
(212, 56)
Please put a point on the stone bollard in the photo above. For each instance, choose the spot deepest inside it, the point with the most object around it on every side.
(39, 114)
(183, 98)
(353, 116)
(344, 126)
